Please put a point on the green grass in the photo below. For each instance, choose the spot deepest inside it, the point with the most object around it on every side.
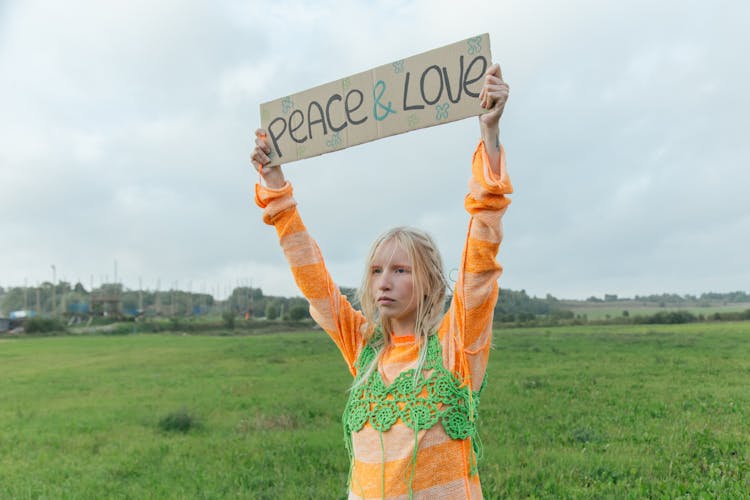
(606, 310)
(578, 412)
(619, 411)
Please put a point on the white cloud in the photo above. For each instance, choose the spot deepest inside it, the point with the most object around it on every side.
(126, 130)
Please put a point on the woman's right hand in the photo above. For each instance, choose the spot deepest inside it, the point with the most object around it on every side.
(272, 175)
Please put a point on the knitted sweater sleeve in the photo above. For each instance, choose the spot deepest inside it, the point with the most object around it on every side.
(469, 319)
(328, 306)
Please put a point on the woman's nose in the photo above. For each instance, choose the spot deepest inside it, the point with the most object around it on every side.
(384, 283)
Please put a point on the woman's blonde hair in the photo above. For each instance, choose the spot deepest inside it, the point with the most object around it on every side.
(429, 290)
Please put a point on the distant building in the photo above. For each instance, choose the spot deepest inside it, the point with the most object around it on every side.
(18, 318)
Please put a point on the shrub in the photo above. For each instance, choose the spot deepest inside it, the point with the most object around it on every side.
(298, 313)
(562, 314)
(179, 421)
(43, 325)
(228, 318)
(272, 311)
(669, 318)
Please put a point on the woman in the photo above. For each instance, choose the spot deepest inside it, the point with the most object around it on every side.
(410, 421)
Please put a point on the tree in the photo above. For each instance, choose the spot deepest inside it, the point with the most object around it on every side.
(298, 313)
(228, 318)
(272, 311)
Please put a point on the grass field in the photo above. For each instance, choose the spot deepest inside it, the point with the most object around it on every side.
(606, 310)
(583, 412)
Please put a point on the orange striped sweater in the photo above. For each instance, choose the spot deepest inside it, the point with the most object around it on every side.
(383, 462)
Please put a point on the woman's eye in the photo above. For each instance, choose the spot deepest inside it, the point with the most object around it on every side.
(376, 270)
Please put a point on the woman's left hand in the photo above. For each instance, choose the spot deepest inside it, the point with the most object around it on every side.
(493, 96)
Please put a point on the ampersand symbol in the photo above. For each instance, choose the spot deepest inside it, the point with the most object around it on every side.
(380, 86)
(442, 111)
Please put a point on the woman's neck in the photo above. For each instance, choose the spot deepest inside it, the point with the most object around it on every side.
(402, 328)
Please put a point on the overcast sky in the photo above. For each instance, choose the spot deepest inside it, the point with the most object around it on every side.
(126, 129)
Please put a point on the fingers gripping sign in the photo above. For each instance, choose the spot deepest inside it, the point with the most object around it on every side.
(493, 96)
(261, 157)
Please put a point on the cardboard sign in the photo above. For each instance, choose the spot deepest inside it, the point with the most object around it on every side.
(428, 89)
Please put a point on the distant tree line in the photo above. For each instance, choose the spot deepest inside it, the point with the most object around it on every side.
(513, 306)
(64, 299)
(673, 299)
(519, 306)
(252, 303)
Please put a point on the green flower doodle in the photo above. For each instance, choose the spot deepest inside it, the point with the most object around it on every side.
(334, 141)
(442, 111)
(475, 45)
(287, 104)
(300, 151)
(346, 84)
(412, 120)
(398, 66)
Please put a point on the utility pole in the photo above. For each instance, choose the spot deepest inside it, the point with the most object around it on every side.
(190, 298)
(54, 298)
(158, 296)
(63, 303)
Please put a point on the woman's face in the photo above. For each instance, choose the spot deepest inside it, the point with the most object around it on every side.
(392, 286)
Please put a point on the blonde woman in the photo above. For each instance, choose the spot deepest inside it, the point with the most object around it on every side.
(410, 421)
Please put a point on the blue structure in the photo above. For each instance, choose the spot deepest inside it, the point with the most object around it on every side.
(22, 314)
(79, 308)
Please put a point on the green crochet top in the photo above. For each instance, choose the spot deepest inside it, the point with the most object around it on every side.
(440, 397)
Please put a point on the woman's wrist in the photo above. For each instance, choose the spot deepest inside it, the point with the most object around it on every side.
(273, 177)
(490, 136)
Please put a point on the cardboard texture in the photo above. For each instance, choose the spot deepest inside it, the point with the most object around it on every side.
(435, 87)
